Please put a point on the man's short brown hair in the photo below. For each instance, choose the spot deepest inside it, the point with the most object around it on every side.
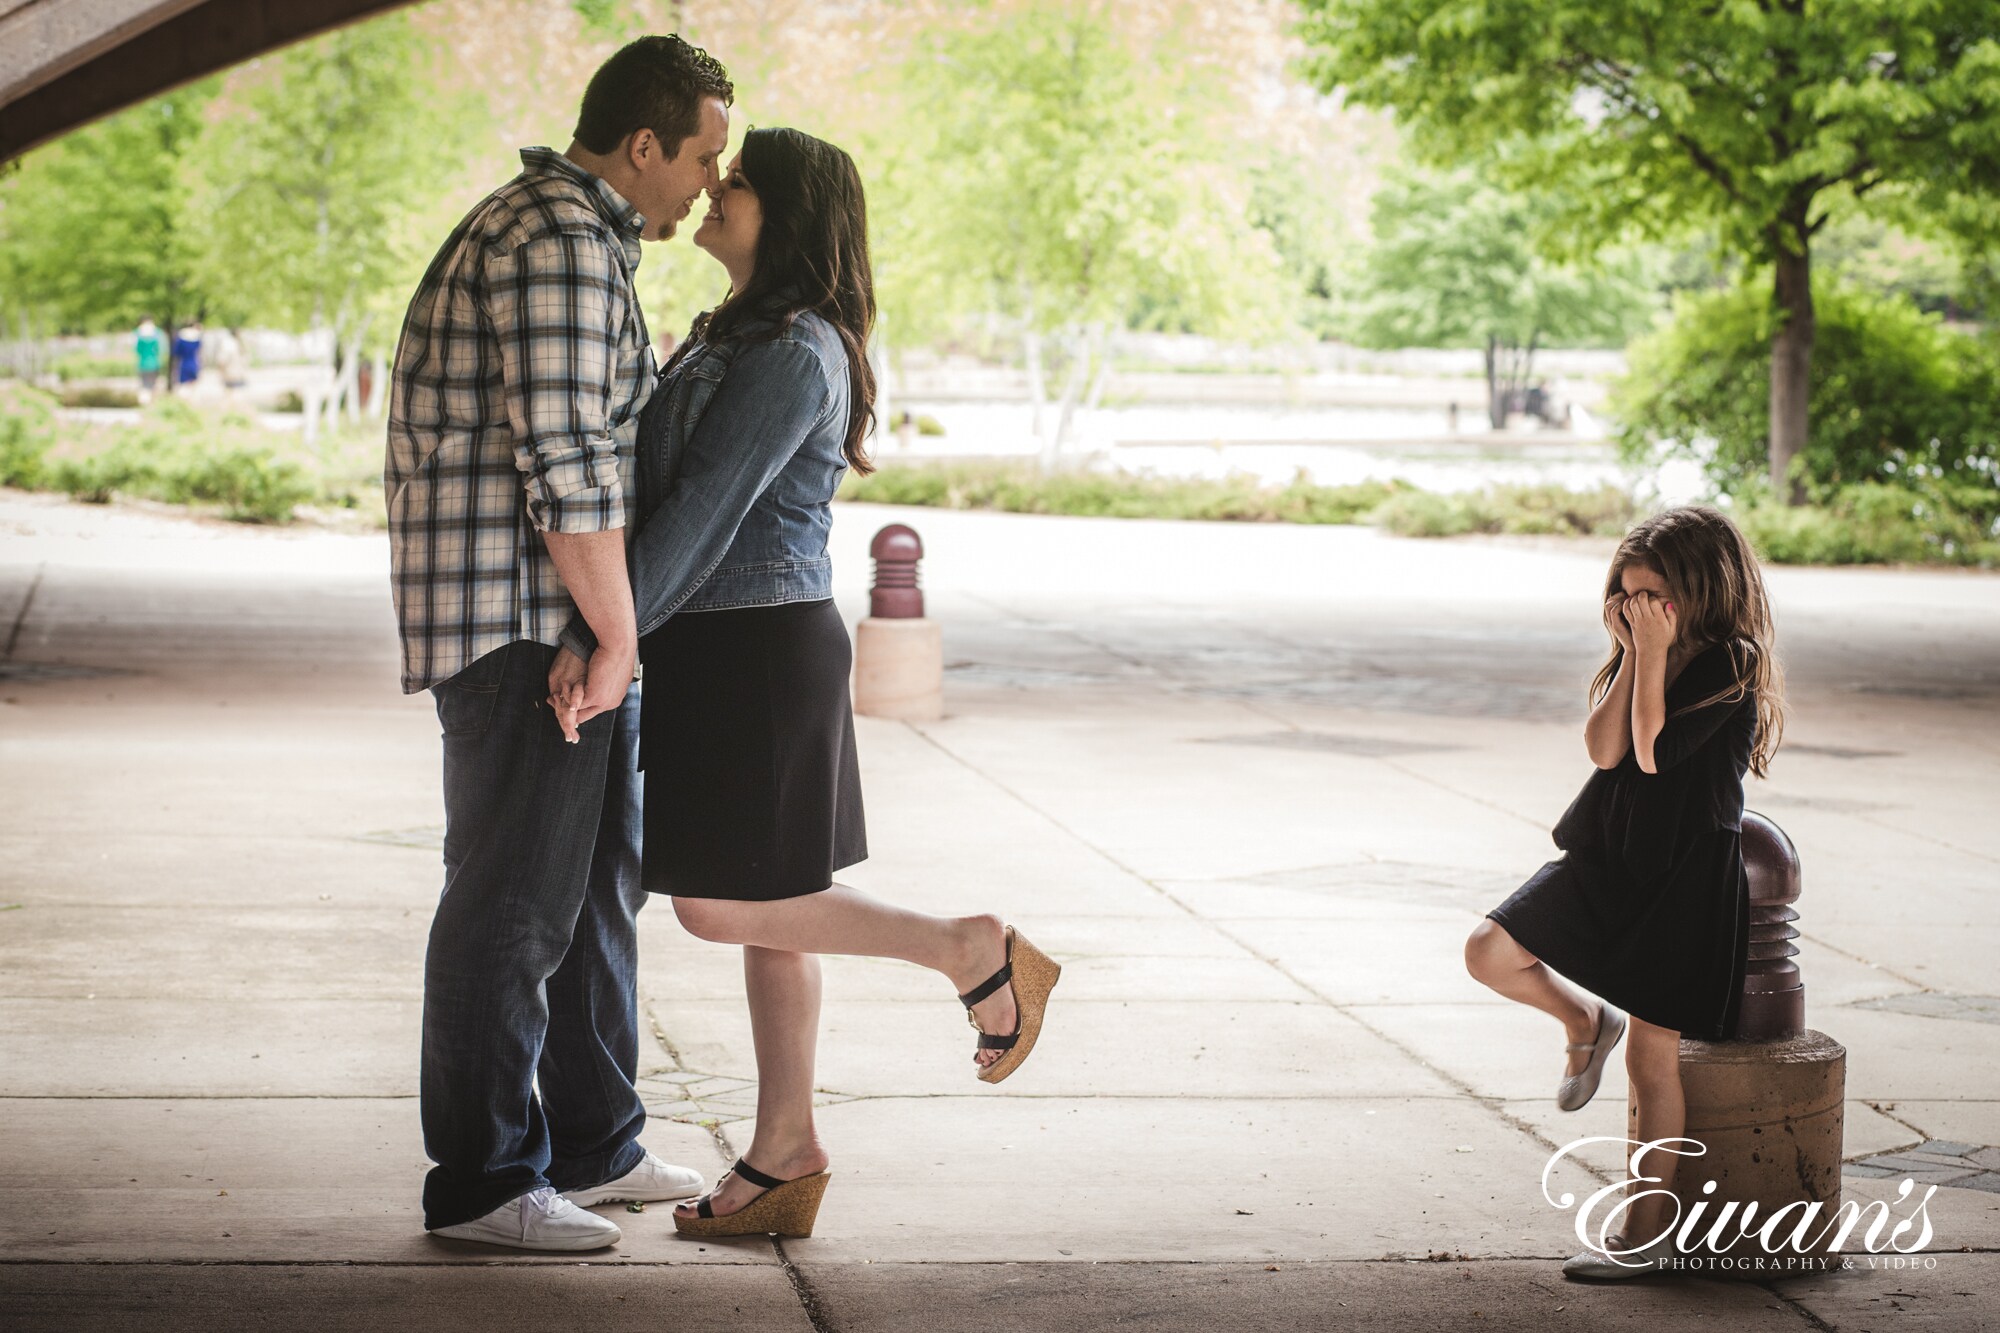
(654, 83)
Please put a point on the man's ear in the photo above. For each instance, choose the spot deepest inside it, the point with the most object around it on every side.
(642, 148)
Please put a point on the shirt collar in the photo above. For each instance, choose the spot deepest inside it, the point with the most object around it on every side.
(627, 221)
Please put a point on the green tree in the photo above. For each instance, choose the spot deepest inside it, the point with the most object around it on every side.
(1454, 265)
(1897, 396)
(1051, 171)
(1764, 118)
(317, 188)
(93, 228)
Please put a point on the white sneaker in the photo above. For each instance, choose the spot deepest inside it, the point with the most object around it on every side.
(650, 1181)
(1597, 1266)
(539, 1220)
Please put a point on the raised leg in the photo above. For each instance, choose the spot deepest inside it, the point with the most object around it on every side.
(841, 919)
(1496, 960)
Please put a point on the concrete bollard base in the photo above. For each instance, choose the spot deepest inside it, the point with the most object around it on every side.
(1771, 1116)
(899, 669)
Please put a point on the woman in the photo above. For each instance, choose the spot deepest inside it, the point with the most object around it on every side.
(753, 795)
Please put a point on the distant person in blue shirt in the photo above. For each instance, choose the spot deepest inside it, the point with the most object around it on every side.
(187, 353)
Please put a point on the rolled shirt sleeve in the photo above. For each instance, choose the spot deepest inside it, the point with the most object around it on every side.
(557, 305)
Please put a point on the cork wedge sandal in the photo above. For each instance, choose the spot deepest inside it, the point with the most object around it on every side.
(785, 1208)
(1034, 975)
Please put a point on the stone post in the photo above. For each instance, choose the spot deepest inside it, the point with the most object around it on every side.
(898, 652)
(1768, 1105)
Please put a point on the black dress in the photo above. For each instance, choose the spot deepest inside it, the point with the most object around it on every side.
(1649, 906)
(747, 740)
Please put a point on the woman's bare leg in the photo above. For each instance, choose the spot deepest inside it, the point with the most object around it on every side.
(784, 991)
(840, 919)
(1653, 1065)
(1495, 959)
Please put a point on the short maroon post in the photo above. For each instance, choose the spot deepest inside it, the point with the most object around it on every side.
(898, 650)
(897, 550)
(1774, 995)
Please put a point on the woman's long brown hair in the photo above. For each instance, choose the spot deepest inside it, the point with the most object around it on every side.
(812, 254)
(1717, 589)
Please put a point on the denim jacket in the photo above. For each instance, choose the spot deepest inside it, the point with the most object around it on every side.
(739, 454)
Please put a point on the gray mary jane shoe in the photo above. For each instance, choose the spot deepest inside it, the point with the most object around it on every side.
(1576, 1090)
(1596, 1266)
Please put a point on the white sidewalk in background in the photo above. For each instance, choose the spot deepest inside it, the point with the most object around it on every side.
(1250, 784)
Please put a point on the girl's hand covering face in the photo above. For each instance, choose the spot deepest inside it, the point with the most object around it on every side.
(1614, 620)
(1653, 622)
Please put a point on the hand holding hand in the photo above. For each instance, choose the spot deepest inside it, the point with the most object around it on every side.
(606, 680)
(1654, 623)
(566, 689)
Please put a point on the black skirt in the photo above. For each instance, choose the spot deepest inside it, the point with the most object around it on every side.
(747, 740)
(1667, 947)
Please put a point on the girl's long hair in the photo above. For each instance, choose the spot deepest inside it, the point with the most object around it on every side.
(1717, 589)
(812, 254)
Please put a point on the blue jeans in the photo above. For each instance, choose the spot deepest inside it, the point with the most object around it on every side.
(530, 978)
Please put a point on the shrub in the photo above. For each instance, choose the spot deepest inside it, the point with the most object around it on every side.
(27, 430)
(1519, 510)
(178, 455)
(83, 366)
(95, 396)
(1870, 523)
(1895, 395)
(1022, 489)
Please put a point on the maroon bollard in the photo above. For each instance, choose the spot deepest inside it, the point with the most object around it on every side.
(898, 653)
(1774, 997)
(1767, 1105)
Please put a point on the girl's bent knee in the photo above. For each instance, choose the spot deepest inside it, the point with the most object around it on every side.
(706, 918)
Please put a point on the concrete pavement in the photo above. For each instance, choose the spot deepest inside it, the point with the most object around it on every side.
(1251, 785)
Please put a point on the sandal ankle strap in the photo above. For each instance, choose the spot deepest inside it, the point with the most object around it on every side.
(754, 1176)
(988, 986)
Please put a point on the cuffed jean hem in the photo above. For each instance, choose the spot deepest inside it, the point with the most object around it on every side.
(475, 1204)
(597, 1169)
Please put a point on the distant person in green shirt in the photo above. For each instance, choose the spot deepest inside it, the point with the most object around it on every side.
(150, 349)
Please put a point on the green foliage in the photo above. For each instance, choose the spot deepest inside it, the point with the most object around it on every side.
(94, 233)
(84, 367)
(1895, 396)
(1522, 510)
(27, 431)
(1761, 121)
(312, 185)
(1454, 265)
(179, 455)
(1871, 523)
(1019, 489)
(1661, 116)
(1050, 169)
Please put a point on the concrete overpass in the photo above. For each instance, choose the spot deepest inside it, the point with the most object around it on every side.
(64, 63)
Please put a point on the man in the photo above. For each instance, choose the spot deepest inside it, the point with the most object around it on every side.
(523, 364)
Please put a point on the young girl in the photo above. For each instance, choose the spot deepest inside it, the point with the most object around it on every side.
(1648, 907)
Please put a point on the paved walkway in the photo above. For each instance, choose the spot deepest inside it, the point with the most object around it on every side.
(1252, 785)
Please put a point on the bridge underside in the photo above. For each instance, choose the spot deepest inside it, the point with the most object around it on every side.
(64, 63)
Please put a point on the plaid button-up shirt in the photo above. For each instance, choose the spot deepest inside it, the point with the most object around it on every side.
(522, 367)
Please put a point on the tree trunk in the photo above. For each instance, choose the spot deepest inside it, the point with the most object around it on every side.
(1038, 390)
(1076, 377)
(1791, 371)
(1496, 401)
